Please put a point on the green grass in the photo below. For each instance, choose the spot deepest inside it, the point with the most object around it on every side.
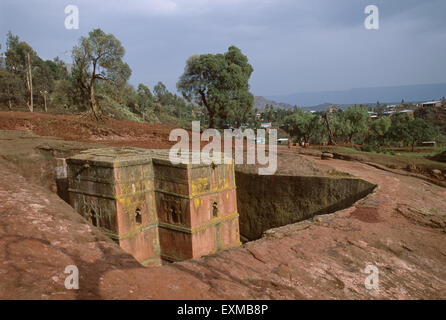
(418, 154)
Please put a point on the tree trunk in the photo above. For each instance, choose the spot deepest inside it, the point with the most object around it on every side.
(44, 94)
(210, 112)
(350, 139)
(30, 85)
(211, 120)
(95, 108)
(330, 132)
(93, 104)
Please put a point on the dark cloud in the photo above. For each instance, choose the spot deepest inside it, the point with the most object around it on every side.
(293, 45)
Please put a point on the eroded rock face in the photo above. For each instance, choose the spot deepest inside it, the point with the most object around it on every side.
(40, 160)
(266, 202)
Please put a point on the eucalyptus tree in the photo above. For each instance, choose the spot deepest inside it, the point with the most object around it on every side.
(96, 58)
(220, 84)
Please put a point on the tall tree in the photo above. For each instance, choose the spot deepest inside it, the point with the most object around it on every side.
(10, 87)
(379, 129)
(144, 99)
(29, 81)
(419, 131)
(356, 121)
(304, 125)
(409, 131)
(20, 58)
(219, 82)
(44, 80)
(58, 69)
(160, 91)
(98, 57)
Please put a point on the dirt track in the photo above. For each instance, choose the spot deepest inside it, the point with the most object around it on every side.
(400, 228)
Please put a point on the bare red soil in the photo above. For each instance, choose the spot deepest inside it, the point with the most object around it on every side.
(79, 128)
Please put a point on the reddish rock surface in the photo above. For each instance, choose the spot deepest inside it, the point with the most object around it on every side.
(400, 228)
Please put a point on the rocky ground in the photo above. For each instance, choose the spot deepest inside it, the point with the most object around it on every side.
(400, 228)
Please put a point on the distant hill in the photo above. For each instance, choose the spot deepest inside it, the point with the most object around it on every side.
(320, 107)
(261, 102)
(422, 92)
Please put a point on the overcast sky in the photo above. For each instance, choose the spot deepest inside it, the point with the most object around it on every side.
(293, 45)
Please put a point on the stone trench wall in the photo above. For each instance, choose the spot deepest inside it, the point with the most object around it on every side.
(266, 202)
(45, 167)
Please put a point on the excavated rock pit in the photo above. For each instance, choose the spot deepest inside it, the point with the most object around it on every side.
(299, 190)
(266, 202)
